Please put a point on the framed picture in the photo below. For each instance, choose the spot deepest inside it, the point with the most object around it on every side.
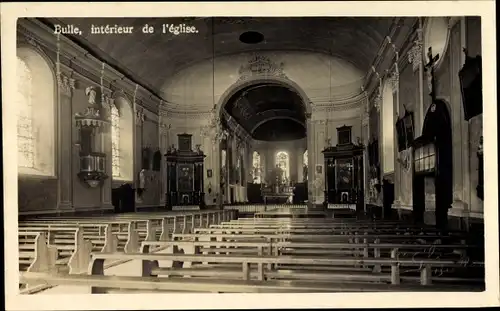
(209, 173)
(319, 169)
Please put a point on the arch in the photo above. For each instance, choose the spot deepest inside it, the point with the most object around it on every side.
(239, 85)
(37, 113)
(275, 118)
(122, 138)
(388, 128)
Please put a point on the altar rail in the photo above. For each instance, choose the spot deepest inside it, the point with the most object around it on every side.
(258, 208)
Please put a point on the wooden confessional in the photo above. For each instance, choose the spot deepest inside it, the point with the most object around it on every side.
(185, 174)
(344, 171)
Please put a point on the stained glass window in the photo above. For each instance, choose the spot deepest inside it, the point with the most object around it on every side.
(256, 172)
(115, 140)
(283, 162)
(25, 134)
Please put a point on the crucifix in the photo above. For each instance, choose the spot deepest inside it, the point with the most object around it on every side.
(429, 69)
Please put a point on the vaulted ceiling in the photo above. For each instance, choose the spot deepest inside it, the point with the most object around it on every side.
(153, 58)
(268, 112)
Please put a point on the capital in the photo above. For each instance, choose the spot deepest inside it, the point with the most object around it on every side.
(66, 84)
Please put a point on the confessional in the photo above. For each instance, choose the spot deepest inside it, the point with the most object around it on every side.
(185, 174)
(123, 198)
(344, 171)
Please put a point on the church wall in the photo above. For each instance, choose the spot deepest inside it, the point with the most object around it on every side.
(147, 136)
(65, 192)
(465, 32)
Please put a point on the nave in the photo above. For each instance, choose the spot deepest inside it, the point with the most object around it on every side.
(264, 154)
(281, 250)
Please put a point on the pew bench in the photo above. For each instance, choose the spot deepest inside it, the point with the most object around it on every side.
(322, 237)
(150, 265)
(99, 284)
(353, 250)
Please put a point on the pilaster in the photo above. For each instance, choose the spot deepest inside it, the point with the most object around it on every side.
(66, 85)
(311, 155)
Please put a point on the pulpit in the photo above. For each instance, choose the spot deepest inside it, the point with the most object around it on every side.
(185, 174)
(344, 172)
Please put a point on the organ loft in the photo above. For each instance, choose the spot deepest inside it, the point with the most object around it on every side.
(245, 152)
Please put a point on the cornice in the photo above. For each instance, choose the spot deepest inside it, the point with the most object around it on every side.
(79, 61)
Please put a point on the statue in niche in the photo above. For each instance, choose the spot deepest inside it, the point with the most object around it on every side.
(328, 142)
(91, 93)
(198, 149)
(142, 184)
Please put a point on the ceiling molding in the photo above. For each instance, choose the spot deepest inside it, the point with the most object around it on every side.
(83, 62)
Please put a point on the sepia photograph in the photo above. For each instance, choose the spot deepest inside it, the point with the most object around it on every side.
(343, 154)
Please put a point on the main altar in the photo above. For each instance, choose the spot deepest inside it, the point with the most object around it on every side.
(277, 190)
(185, 175)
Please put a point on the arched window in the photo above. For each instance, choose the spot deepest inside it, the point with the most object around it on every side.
(305, 165)
(388, 124)
(257, 169)
(35, 115)
(122, 139)
(115, 140)
(283, 162)
(223, 158)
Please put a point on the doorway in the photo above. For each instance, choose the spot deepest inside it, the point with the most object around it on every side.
(433, 158)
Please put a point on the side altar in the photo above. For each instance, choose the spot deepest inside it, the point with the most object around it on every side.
(185, 175)
(344, 172)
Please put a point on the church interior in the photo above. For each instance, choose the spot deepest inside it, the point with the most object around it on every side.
(312, 154)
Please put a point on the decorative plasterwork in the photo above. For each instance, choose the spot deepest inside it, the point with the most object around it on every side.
(260, 65)
(393, 78)
(377, 100)
(139, 116)
(165, 128)
(415, 53)
(66, 84)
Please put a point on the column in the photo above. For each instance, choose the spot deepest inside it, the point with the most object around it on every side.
(64, 142)
(300, 163)
(106, 187)
(365, 123)
(164, 129)
(310, 164)
(139, 120)
(397, 166)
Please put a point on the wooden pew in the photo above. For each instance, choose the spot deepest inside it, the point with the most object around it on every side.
(355, 250)
(100, 284)
(291, 236)
(72, 249)
(150, 263)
